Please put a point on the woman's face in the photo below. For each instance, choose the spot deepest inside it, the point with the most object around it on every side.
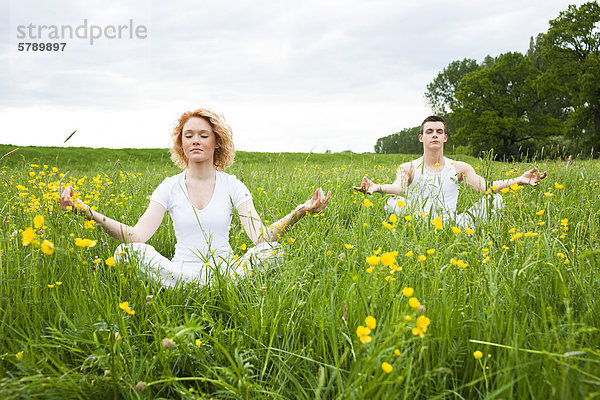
(198, 141)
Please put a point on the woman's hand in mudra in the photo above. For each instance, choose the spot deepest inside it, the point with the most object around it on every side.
(68, 199)
(316, 203)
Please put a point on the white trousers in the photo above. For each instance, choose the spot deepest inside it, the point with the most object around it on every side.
(477, 212)
(172, 272)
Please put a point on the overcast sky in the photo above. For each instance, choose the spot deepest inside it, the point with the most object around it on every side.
(287, 75)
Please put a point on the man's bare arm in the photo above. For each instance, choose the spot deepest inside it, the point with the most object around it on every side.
(468, 174)
(403, 179)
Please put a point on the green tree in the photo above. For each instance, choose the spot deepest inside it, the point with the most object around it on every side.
(441, 91)
(404, 142)
(571, 49)
(498, 107)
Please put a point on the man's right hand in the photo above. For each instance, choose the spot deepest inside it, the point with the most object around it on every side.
(367, 186)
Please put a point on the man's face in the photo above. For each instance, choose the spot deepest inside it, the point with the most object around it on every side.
(434, 135)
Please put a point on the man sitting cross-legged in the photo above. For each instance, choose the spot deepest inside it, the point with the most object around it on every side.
(430, 183)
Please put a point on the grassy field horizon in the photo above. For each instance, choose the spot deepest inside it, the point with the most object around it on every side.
(366, 305)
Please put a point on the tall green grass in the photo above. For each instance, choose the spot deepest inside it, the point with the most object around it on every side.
(291, 333)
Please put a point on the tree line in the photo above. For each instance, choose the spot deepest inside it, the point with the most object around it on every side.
(546, 101)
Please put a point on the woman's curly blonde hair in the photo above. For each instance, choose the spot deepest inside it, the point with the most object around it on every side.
(224, 153)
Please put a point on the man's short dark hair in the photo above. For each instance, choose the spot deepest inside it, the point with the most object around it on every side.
(434, 118)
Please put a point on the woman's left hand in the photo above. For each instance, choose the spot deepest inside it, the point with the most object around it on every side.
(532, 177)
(317, 202)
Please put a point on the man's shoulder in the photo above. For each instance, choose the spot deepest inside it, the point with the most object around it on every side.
(462, 167)
(408, 165)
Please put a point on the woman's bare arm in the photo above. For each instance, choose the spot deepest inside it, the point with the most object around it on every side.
(258, 232)
(141, 232)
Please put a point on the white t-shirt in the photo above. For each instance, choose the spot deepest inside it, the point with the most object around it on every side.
(200, 231)
(434, 193)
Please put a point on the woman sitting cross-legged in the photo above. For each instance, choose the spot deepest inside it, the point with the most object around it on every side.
(201, 201)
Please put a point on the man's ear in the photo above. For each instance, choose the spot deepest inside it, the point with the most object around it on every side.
(445, 137)
(420, 138)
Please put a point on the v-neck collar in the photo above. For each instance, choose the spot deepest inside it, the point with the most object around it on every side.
(187, 193)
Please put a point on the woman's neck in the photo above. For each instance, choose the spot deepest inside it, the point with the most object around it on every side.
(200, 171)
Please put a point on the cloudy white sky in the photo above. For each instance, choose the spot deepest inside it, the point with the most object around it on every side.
(287, 75)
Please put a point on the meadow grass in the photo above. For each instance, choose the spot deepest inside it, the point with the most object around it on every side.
(522, 289)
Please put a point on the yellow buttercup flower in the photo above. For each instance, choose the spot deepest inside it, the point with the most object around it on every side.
(373, 260)
(430, 251)
(437, 222)
(409, 253)
(400, 203)
(408, 218)
(417, 332)
(38, 221)
(369, 270)
(408, 291)
(456, 230)
(85, 242)
(558, 185)
(363, 334)
(348, 246)
(469, 231)
(422, 258)
(564, 221)
(367, 203)
(413, 302)
(393, 218)
(47, 247)
(291, 240)
(386, 367)
(504, 190)
(423, 323)
(377, 251)
(541, 212)
(28, 236)
(243, 246)
(389, 226)
(548, 194)
(388, 258)
(110, 261)
(371, 322)
(19, 355)
(477, 354)
(198, 342)
(397, 352)
(125, 307)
